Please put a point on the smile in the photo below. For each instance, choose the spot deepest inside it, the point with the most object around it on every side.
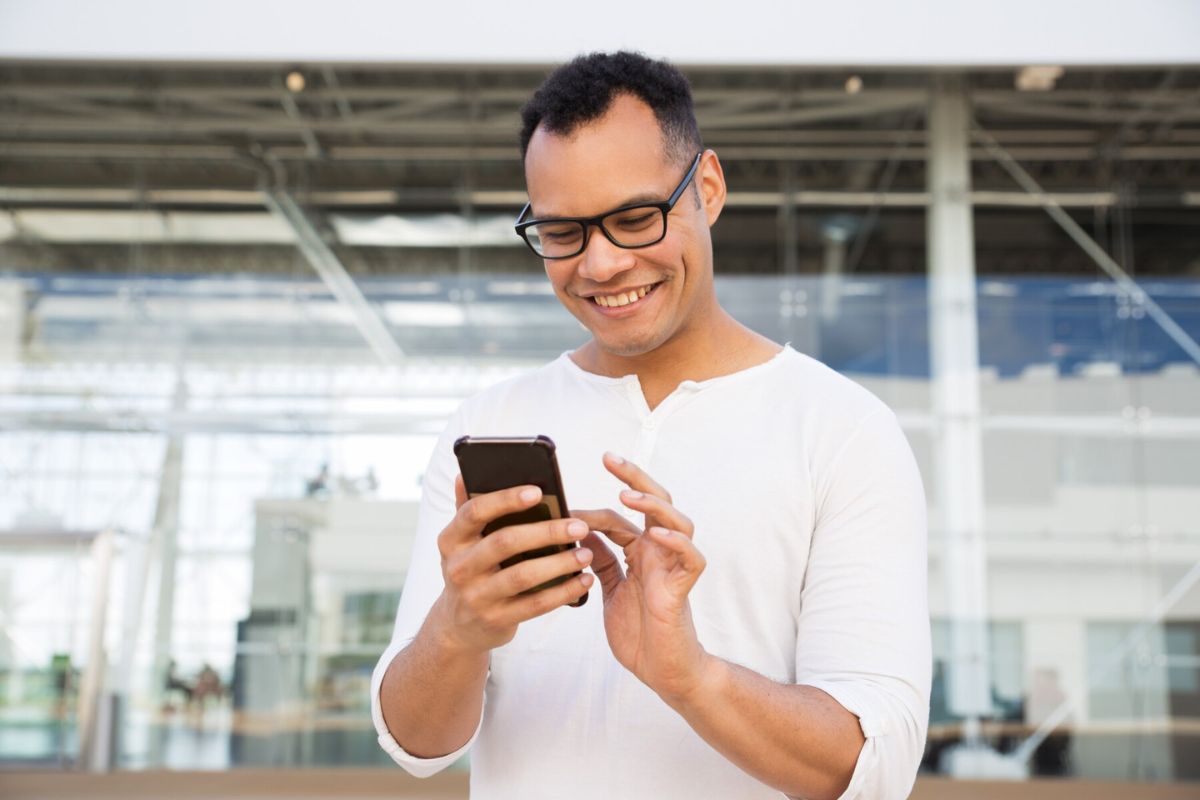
(623, 298)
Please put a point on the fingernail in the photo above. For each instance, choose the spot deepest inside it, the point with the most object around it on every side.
(616, 459)
(663, 532)
(631, 494)
(577, 528)
(530, 494)
(583, 555)
(586, 579)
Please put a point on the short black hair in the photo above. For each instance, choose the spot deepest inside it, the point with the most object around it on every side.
(582, 90)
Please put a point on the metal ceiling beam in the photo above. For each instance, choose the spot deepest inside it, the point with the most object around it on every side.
(729, 150)
(1090, 246)
(119, 199)
(224, 422)
(137, 420)
(390, 87)
(401, 89)
(786, 136)
(334, 274)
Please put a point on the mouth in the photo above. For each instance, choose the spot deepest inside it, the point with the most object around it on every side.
(625, 299)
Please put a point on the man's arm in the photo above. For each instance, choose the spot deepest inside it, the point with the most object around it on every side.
(431, 695)
(797, 739)
(862, 649)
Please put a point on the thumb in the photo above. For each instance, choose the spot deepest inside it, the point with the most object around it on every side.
(460, 491)
(604, 564)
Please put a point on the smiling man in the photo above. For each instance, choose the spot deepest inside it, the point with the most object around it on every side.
(763, 626)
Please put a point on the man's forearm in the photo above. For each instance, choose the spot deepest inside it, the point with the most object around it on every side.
(432, 695)
(796, 739)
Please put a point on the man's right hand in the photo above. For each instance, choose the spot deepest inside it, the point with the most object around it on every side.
(481, 604)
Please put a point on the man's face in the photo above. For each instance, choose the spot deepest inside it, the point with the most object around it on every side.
(615, 161)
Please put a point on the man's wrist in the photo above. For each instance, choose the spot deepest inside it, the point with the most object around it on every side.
(708, 684)
(442, 635)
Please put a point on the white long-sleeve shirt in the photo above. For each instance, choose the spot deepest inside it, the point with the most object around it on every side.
(809, 510)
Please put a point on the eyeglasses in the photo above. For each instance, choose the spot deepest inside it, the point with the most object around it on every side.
(632, 226)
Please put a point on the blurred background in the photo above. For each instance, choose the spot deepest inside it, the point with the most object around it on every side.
(252, 256)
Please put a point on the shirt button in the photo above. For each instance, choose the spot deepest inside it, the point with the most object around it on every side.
(648, 425)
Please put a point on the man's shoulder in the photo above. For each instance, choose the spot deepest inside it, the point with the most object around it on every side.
(519, 387)
(822, 390)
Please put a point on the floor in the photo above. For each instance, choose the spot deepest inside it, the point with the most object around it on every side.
(347, 784)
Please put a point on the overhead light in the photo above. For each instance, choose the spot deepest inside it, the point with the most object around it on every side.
(854, 84)
(839, 227)
(295, 81)
(1038, 78)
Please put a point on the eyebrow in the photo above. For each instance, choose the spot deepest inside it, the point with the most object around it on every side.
(644, 197)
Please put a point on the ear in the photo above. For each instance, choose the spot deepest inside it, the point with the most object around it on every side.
(710, 179)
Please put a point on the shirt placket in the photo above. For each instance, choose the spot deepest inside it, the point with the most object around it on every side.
(651, 421)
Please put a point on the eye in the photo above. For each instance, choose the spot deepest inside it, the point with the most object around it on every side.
(558, 234)
(636, 219)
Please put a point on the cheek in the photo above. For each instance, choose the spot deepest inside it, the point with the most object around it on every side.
(682, 248)
(559, 276)
(668, 256)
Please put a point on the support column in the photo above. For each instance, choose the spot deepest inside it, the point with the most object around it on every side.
(834, 235)
(12, 319)
(164, 544)
(94, 720)
(954, 367)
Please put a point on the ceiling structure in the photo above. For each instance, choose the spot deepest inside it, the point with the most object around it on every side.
(409, 171)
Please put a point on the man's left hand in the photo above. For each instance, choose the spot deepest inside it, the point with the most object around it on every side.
(647, 616)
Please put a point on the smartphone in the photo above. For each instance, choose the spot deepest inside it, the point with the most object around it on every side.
(489, 464)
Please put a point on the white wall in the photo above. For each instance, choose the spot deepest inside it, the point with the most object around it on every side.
(828, 32)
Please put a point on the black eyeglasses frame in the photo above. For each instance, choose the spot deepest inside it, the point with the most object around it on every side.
(587, 222)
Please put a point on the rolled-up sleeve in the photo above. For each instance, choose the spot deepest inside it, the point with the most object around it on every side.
(863, 630)
(422, 585)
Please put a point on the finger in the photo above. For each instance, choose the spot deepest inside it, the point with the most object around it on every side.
(478, 511)
(460, 491)
(690, 558)
(486, 555)
(530, 573)
(634, 476)
(611, 524)
(526, 607)
(604, 564)
(660, 511)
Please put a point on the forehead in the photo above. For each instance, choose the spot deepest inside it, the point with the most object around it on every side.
(613, 160)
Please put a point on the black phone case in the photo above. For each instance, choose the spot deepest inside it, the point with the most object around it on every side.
(489, 464)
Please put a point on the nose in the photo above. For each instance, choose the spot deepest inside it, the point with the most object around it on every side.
(602, 260)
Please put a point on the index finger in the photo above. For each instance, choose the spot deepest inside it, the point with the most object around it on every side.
(634, 476)
(478, 511)
(610, 523)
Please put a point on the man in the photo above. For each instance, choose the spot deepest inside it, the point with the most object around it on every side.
(798, 662)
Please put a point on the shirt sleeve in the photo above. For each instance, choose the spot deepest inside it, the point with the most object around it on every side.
(863, 632)
(422, 586)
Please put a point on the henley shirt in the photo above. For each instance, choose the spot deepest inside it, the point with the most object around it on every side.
(809, 510)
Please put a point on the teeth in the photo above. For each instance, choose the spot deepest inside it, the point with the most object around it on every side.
(623, 299)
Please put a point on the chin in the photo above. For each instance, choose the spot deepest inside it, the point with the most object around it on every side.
(628, 347)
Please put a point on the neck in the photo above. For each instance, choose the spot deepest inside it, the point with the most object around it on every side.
(721, 346)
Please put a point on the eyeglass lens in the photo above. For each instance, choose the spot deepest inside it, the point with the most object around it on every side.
(631, 227)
